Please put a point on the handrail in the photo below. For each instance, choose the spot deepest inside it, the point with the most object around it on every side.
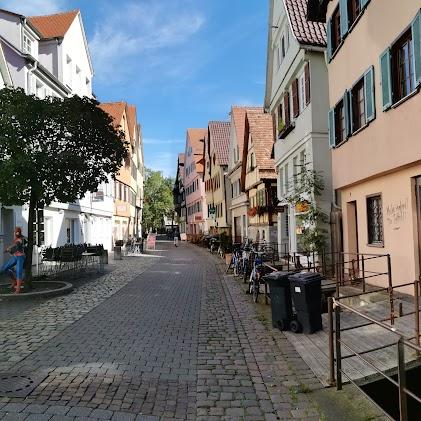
(389, 328)
(335, 305)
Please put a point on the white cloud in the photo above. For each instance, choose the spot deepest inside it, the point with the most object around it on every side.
(33, 7)
(142, 36)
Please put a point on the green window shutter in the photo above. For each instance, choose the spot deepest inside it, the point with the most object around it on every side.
(329, 39)
(347, 115)
(416, 45)
(331, 124)
(364, 3)
(386, 74)
(343, 12)
(370, 105)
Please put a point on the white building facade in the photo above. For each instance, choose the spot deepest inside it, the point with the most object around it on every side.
(49, 56)
(297, 96)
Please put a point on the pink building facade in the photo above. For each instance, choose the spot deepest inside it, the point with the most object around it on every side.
(193, 183)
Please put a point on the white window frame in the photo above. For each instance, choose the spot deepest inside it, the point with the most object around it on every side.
(27, 43)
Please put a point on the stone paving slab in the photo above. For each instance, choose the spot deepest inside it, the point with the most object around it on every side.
(177, 340)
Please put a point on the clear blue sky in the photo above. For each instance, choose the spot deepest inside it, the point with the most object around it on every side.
(181, 62)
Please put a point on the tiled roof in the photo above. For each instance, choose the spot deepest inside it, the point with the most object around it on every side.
(262, 136)
(115, 110)
(54, 26)
(131, 119)
(306, 32)
(238, 114)
(196, 138)
(220, 138)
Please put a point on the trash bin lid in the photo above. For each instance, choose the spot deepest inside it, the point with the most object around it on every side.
(306, 277)
(277, 276)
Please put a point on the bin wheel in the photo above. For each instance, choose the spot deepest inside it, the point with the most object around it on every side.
(295, 326)
(281, 325)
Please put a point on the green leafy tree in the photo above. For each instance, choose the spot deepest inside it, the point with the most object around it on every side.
(158, 199)
(308, 187)
(54, 150)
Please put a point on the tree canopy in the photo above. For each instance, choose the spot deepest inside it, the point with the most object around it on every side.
(54, 150)
(158, 199)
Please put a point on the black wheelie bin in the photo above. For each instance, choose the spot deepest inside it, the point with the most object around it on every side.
(306, 293)
(280, 299)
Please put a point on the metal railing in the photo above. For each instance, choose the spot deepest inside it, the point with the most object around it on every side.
(335, 307)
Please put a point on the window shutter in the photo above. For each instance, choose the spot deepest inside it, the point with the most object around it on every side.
(347, 115)
(385, 60)
(416, 45)
(295, 100)
(329, 39)
(286, 109)
(331, 124)
(343, 12)
(307, 83)
(364, 3)
(370, 106)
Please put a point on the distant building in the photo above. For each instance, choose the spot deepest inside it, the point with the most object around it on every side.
(239, 198)
(128, 185)
(258, 173)
(217, 186)
(193, 183)
(180, 196)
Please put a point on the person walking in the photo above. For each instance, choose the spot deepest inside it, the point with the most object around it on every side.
(17, 250)
(176, 235)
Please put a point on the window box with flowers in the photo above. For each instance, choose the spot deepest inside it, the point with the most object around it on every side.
(261, 210)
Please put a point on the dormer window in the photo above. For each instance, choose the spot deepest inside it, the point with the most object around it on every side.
(27, 42)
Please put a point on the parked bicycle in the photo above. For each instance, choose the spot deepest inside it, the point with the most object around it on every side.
(256, 274)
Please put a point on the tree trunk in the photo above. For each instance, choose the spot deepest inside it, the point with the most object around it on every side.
(31, 221)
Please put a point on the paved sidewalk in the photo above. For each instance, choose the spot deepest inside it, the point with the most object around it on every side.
(175, 340)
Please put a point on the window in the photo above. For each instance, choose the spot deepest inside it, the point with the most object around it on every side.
(339, 123)
(375, 220)
(402, 67)
(354, 9)
(278, 56)
(295, 169)
(295, 99)
(286, 108)
(252, 162)
(307, 83)
(69, 70)
(283, 51)
(336, 29)
(358, 106)
(339, 24)
(27, 44)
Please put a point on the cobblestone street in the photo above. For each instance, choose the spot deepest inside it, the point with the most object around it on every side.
(154, 339)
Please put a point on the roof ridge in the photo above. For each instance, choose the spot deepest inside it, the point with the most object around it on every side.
(55, 14)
